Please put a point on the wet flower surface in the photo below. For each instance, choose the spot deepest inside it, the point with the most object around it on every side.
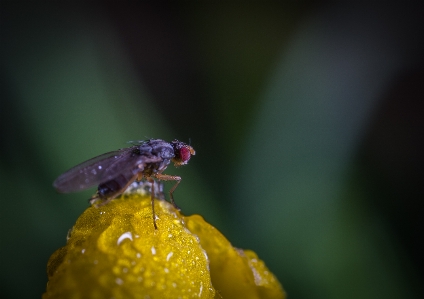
(115, 252)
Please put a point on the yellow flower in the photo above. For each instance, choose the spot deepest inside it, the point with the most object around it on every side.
(115, 252)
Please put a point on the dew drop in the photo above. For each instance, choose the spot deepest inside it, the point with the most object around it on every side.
(126, 235)
(119, 281)
(201, 289)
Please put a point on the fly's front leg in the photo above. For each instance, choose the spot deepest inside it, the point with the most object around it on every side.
(165, 177)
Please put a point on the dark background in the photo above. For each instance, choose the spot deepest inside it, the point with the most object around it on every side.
(307, 119)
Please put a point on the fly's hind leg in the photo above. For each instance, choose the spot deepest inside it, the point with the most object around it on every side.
(165, 177)
(97, 201)
(94, 199)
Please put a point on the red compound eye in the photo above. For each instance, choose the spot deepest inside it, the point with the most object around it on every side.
(185, 154)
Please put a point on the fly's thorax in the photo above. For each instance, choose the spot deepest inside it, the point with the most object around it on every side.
(158, 148)
(164, 164)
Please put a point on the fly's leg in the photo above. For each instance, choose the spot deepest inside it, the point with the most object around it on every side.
(95, 198)
(98, 201)
(152, 197)
(165, 177)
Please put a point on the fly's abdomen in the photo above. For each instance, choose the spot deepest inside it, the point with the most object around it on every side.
(113, 187)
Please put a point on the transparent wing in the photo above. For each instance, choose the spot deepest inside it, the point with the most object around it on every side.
(101, 169)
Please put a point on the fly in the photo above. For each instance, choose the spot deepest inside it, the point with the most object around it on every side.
(113, 172)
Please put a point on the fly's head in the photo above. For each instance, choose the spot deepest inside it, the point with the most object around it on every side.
(183, 153)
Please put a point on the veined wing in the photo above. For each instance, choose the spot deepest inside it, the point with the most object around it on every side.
(101, 169)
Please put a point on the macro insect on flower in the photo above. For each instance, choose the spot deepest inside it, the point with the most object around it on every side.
(113, 172)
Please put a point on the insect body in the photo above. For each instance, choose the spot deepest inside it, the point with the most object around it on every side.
(113, 172)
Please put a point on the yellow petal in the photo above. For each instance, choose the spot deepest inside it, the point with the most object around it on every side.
(235, 273)
(115, 252)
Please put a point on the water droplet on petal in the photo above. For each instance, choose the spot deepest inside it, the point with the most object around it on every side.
(119, 281)
(126, 235)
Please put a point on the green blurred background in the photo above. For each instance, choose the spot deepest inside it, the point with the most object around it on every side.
(307, 119)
